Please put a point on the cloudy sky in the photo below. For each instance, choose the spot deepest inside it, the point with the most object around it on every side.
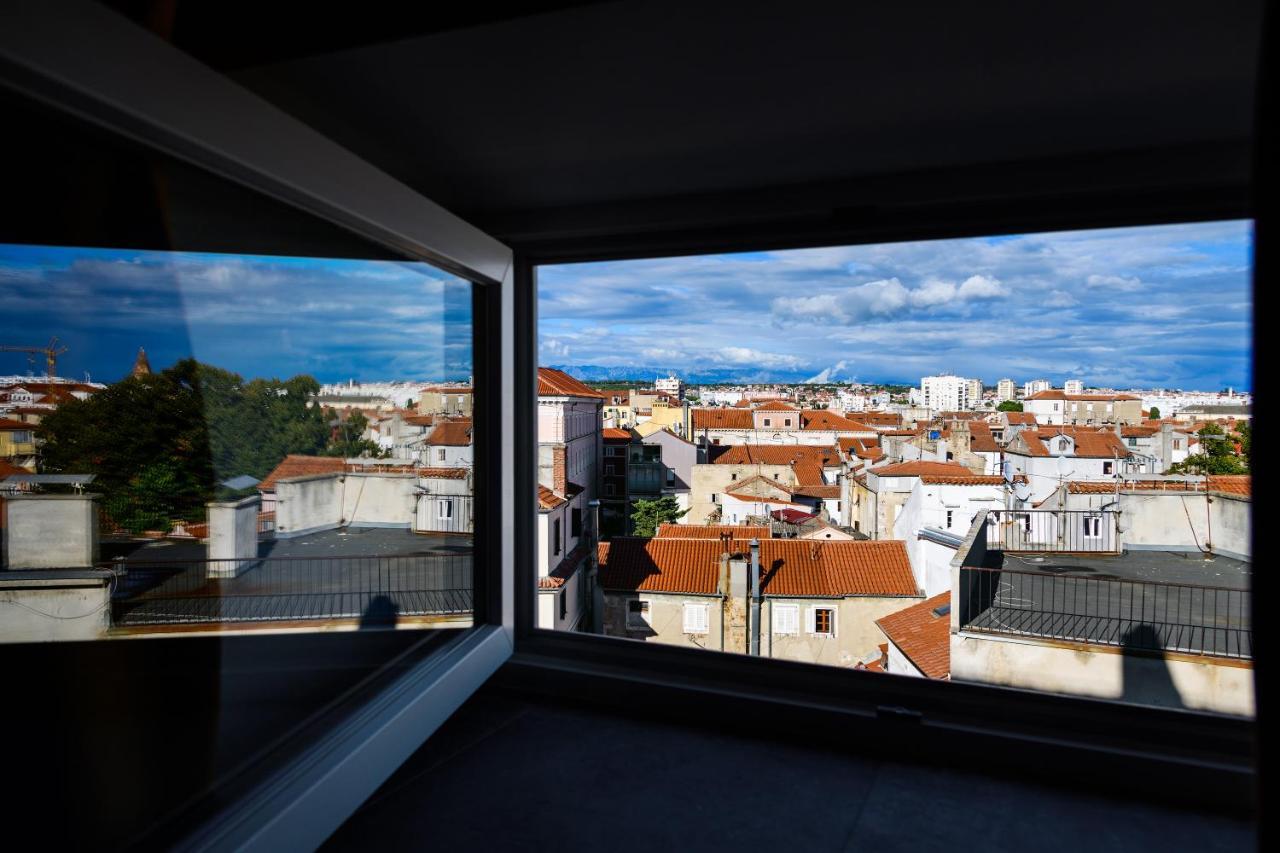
(1165, 306)
(258, 316)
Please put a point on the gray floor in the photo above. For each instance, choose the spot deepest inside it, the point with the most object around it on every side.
(510, 774)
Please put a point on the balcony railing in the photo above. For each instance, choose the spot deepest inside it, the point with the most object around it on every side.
(280, 589)
(1140, 615)
(1062, 531)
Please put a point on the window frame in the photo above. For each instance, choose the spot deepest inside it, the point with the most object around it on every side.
(90, 64)
(1075, 735)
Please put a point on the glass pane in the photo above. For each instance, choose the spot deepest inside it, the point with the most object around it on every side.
(1019, 460)
(236, 468)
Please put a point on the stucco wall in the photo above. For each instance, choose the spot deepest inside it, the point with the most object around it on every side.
(1186, 521)
(45, 531)
(666, 615)
(713, 479)
(45, 609)
(1104, 673)
(326, 501)
(857, 635)
(379, 500)
(306, 504)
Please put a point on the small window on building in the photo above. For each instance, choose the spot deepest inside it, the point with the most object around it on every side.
(575, 522)
(695, 618)
(949, 516)
(786, 619)
(767, 422)
(440, 455)
(1133, 442)
(1063, 444)
(713, 497)
(1107, 466)
(786, 421)
(822, 621)
(733, 476)
(1093, 527)
(444, 510)
(638, 614)
(555, 537)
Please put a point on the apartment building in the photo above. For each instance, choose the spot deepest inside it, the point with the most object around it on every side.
(1053, 407)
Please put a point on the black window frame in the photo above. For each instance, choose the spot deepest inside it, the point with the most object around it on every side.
(1078, 737)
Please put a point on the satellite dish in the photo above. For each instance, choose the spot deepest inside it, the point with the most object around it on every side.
(1064, 466)
(1022, 491)
(1006, 469)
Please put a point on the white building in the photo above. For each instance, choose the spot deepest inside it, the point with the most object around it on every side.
(670, 385)
(1073, 386)
(950, 393)
(1006, 390)
(1035, 386)
(936, 517)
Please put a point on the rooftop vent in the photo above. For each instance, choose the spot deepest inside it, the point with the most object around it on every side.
(942, 609)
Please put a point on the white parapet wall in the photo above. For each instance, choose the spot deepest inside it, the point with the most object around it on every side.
(43, 605)
(233, 536)
(1176, 681)
(1191, 521)
(50, 531)
(328, 501)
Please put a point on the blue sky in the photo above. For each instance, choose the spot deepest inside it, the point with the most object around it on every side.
(1165, 306)
(258, 316)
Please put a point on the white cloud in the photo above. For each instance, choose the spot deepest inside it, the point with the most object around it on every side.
(757, 358)
(982, 287)
(1114, 282)
(1061, 299)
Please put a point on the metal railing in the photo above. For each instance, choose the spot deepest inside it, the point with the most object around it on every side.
(266, 524)
(1141, 615)
(1053, 530)
(275, 589)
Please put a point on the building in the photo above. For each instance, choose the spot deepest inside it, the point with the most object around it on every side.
(661, 464)
(1073, 386)
(566, 576)
(18, 443)
(919, 639)
(936, 514)
(943, 392)
(1054, 407)
(615, 501)
(1035, 386)
(774, 423)
(1049, 458)
(876, 495)
(1153, 611)
(817, 601)
(1006, 390)
(456, 400)
(755, 480)
(448, 445)
(569, 439)
(671, 385)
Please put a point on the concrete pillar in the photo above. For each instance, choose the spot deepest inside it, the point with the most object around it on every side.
(233, 536)
(51, 531)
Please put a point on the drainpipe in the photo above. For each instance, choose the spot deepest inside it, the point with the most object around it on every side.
(595, 607)
(753, 590)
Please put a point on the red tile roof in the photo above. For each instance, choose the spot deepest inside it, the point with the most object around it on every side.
(420, 420)
(826, 420)
(1026, 418)
(548, 499)
(455, 433)
(722, 419)
(1235, 484)
(1059, 394)
(880, 418)
(8, 424)
(916, 468)
(557, 383)
(788, 567)
(969, 480)
(558, 576)
(614, 434)
(922, 636)
(776, 406)
(1089, 444)
(8, 470)
(713, 531)
(442, 473)
(298, 465)
(779, 454)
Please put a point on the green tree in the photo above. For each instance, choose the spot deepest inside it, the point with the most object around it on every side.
(1154, 414)
(647, 515)
(1216, 457)
(347, 440)
(1009, 406)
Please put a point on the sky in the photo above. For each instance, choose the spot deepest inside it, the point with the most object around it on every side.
(1160, 306)
(258, 316)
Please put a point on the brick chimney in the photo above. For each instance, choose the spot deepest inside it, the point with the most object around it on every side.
(559, 477)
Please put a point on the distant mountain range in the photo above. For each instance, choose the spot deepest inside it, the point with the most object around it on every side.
(717, 375)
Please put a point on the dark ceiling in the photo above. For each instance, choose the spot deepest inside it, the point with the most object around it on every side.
(591, 121)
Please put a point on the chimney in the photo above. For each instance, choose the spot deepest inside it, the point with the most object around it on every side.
(559, 477)
(1166, 447)
(753, 586)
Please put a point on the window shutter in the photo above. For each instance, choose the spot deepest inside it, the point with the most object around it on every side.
(810, 622)
(695, 618)
(786, 619)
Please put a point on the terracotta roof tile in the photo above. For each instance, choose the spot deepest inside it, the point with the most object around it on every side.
(958, 480)
(548, 499)
(614, 434)
(558, 576)
(722, 419)
(298, 465)
(713, 531)
(442, 473)
(789, 567)
(1234, 484)
(827, 420)
(777, 406)
(557, 383)
(916, 468)
(923, 636)
(779, 454)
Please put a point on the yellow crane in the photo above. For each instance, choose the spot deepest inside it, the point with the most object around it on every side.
(51, 353)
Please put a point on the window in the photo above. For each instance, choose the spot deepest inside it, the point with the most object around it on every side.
(713, 497)
(949, 512)
(638, 614)
(822, 621)
(786, 619)
(1064, 445)
(1107, 466)
(555, 537)
(575, 522)
(564, 603)
(444, 511)
(695, 618)
(1133, 442)
(440, 455)
(786, 422)
(733, 476)
(1093, 526)
(766, 422)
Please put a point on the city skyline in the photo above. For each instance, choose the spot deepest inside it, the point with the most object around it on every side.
(1092, 305)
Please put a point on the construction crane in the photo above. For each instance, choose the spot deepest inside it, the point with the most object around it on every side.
(51, 353)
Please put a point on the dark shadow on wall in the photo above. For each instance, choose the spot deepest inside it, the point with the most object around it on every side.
(1145, 675)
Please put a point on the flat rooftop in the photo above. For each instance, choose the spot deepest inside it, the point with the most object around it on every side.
(376, 575)
(1152, 601)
